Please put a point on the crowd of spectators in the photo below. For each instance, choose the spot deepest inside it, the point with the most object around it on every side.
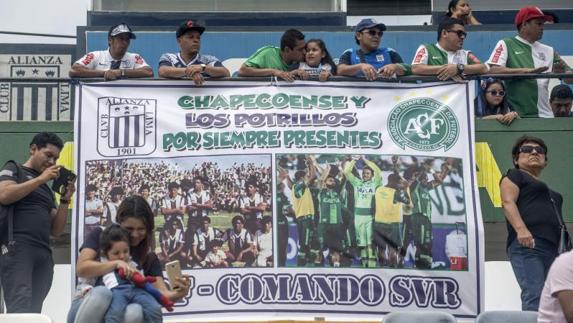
(186, 199)
(297, 59)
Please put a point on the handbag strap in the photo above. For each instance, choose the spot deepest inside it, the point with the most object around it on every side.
(559, 218)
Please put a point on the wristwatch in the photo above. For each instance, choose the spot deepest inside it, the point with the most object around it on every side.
(461, 68)
(203, 66)
(122, 72)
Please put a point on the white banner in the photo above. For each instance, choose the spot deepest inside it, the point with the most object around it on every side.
(295, 200)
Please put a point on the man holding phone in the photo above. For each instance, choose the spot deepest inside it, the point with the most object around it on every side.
(26, 267)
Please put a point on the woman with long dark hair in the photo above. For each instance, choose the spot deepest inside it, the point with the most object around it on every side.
(134, 215)
(461, 9)
(491, 102)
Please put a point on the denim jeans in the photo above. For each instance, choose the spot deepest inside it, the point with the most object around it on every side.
(125, 294)
(530, 266)
(92, 307)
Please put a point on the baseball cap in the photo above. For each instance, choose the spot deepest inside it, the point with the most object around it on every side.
(122, 28)
(189, 25)
(369, 23)
(529, 12)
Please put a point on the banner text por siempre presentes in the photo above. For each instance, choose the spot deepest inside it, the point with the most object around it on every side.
(259, 114)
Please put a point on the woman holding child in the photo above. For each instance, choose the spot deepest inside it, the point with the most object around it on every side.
(91, 303)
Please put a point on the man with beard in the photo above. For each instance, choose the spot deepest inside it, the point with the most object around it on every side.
(446, 59)
(115, 62)
(189, 63)
(331, 230)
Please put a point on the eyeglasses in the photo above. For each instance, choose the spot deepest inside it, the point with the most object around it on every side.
(529, 149)
(460, 33)
(373, 33)
(496, 93)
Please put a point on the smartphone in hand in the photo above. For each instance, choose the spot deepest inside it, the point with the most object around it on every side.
(173, 270)
(61, 182)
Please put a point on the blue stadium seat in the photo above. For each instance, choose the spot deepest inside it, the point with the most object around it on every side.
(420, 316)
(507, 317)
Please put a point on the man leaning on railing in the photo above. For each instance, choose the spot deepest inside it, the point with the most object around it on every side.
(115, 62)
(525, 54)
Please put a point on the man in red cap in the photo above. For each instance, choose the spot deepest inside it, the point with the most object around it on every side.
(525, 54)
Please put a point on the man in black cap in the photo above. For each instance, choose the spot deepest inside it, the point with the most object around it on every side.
(370, 60)
(188, 63)
(115, 62)
(561, 101)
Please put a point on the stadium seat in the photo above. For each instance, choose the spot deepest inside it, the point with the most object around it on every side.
(25, 318)
(419, 316)
(507, 317)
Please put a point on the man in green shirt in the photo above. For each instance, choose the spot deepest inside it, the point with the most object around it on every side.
(364, 189)
(331, 229)
(525, 54)
(447, 59)
(274, 61)
(418, 226)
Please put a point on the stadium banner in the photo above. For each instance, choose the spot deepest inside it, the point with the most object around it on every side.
(286, 200)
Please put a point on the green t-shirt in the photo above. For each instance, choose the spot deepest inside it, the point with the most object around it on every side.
(267, 57)
(433, 54)
(529, 97)
(330, 207)
(422, 200)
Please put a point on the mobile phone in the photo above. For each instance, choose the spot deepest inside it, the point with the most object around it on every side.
(61, 182)
(173, 269)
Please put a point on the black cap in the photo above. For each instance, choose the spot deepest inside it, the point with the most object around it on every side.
(122, 28)
(189, 25)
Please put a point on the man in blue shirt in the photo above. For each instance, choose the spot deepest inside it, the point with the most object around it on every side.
(369, 60)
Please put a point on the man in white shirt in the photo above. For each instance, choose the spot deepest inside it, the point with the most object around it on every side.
(115, 62)
(556, 303)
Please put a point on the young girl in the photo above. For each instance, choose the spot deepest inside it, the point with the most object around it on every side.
(318, 62)
(491, 103)
(115, 246)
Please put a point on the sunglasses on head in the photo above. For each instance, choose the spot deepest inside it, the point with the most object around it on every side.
(373, 32)
(496, 93)
(460, 33)
(529, 149)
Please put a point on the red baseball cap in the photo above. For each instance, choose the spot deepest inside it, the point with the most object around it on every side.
(528, 13)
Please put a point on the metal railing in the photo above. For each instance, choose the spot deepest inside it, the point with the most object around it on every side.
(53, 99)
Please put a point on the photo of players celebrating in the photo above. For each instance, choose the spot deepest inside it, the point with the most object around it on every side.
(370, 211)
(210, 212)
